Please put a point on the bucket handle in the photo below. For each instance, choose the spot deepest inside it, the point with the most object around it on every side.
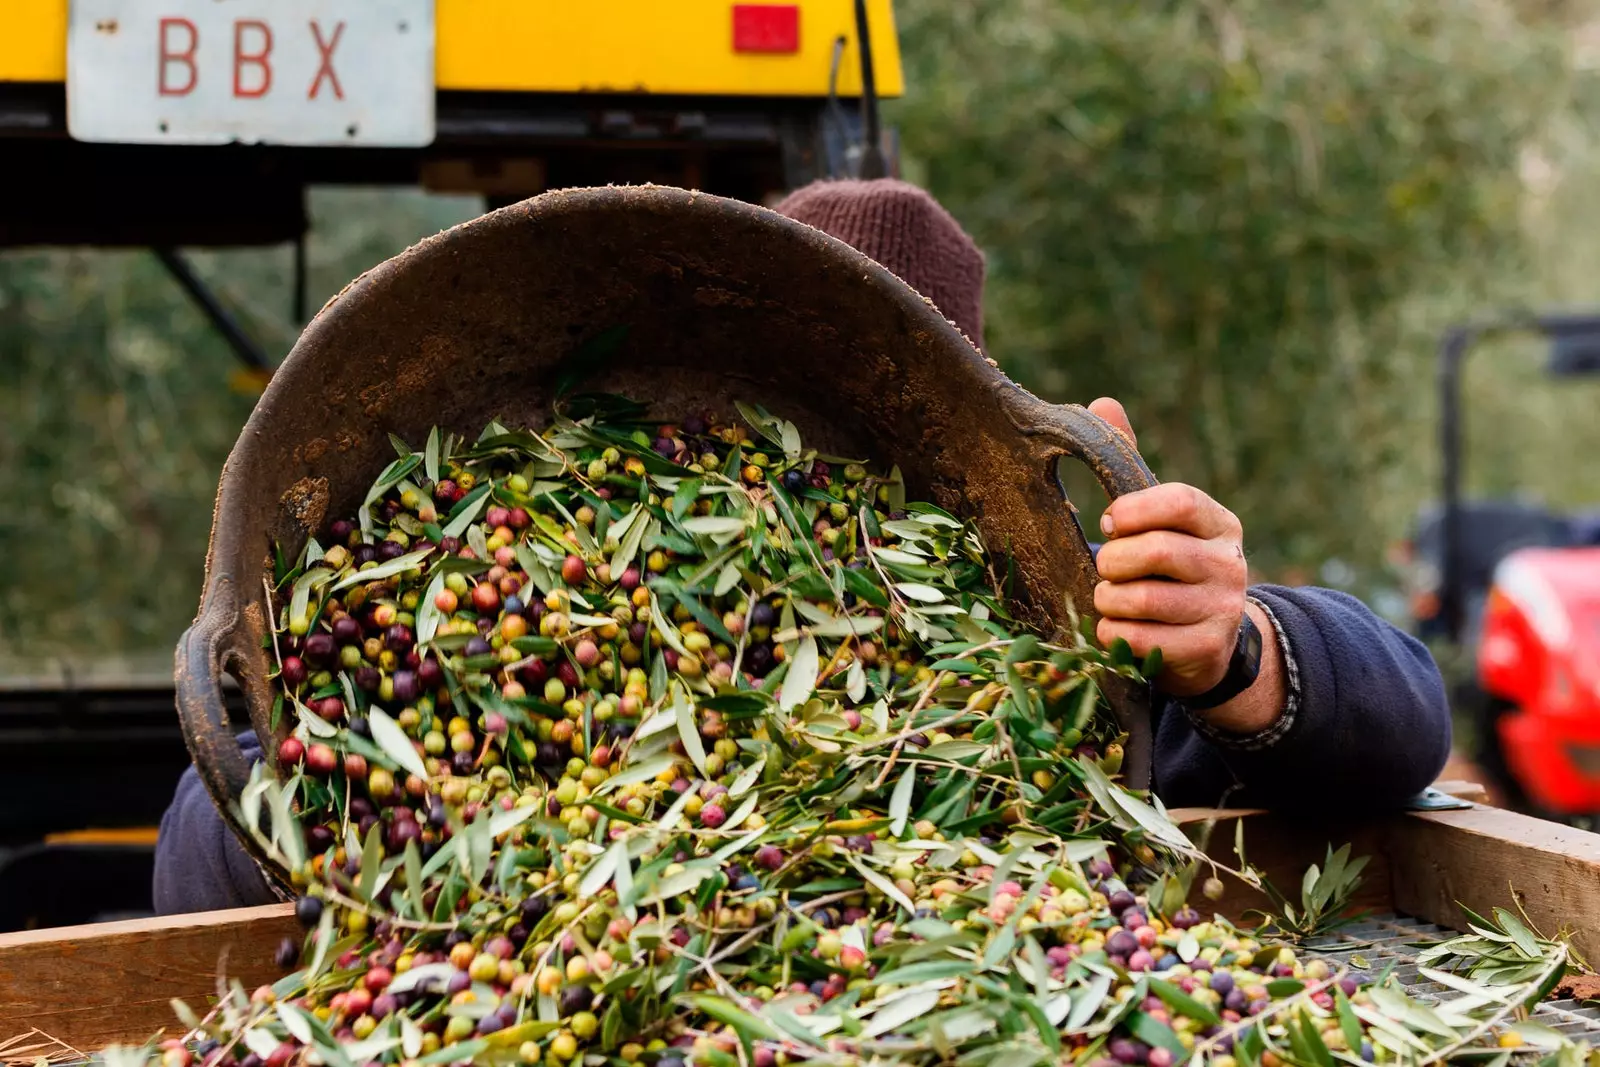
(1073, 430)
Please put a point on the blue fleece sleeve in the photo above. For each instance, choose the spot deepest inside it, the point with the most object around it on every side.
(1367, 722)
(200, 864)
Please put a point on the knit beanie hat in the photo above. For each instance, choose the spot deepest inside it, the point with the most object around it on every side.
(907, 232)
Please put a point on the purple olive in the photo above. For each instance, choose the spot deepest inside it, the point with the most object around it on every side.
(406, 689)
(429, 674)
(1127, 1050)
(763, 615)
(1122, 943)
(401, 831)
(346, 630)
(1120, 901)
(366, 554)
(575, 998)
(368, 679)
(308, 910)
(321, 649)
(399, 638)
(1222, 982)
(391, 550)
(478, 647)
(294, 672)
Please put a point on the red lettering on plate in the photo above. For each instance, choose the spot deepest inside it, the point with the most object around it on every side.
(325, 68)
(169, 57)
(259, 58)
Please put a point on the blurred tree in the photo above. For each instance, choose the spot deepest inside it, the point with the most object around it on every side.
(1223, 213)
(116, 413)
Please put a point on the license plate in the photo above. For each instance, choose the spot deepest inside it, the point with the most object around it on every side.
(288, 72)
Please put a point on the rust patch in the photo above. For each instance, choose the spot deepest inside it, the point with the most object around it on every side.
(307, 501)
(344, 440)
(315, 449)
(374, 398)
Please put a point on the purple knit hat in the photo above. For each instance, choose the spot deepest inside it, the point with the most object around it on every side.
(909, 233)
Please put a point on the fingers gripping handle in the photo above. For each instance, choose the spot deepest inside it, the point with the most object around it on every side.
(1072, 430)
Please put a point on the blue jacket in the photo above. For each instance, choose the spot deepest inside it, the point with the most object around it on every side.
(1366, 726)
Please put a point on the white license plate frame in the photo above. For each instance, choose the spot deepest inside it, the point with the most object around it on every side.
(357, 73)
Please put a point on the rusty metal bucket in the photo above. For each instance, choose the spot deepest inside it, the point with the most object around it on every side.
(724, 301)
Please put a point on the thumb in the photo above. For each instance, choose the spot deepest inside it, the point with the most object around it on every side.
(1111, 410)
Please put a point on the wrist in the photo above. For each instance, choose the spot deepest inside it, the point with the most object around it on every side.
(1261, 705)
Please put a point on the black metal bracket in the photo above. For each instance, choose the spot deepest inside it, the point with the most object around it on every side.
(873, 165)
(245, 347)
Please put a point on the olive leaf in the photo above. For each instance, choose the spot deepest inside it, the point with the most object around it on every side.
(801, 681)
(689, 731)
(391, 737)
(388, 569)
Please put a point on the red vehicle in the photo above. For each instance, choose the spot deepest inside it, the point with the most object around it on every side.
(1539, 662)
(1517, 587)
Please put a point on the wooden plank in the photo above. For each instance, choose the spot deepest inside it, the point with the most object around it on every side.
(1485, 858)
(93, 985)
(1428, 864)
(1282, 848)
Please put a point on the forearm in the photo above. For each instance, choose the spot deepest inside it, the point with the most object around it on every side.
(1362, 705)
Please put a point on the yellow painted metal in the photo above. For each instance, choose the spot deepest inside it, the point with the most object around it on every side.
(558, 46)
(139, 835)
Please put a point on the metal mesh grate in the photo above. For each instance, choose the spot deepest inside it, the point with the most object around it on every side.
(1378, 941)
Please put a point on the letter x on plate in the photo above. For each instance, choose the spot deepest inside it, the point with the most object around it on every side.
(289, 72)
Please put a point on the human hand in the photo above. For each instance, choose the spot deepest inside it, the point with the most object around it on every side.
(1174, 577)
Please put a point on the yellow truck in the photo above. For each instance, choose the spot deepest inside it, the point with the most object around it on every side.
(170, 122)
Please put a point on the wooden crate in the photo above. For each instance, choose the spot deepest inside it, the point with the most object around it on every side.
(92, 985)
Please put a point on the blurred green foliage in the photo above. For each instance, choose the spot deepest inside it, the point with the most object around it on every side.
(1248, 220)
(118, 406)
